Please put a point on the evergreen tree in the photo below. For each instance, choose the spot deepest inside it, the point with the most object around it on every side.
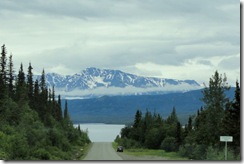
(66, 116)
(43, 84)
(3, 73)
(137, 119)
(30, 83)
(3, 65)
(45, 112)
(36, 89)
(21, 85)
(59, 109)
(178, 136)
(215, 100)
(231, 123)
(11, 77)
(53, 103)
(36, 95)
(189, 125)
(2, 88)
(172, 119)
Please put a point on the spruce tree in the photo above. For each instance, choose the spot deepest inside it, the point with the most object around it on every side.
(66, 116)
(3, 73)
(189, 125)
(36, 97)
(2, 89)
(215, 100)
(231, 122)
(53, 103)
(45, 112)
(3, 64)
(43, 82)
(30, 83)
(11, 77)
(59, 109)
(21, 85)
(172, 119)
(137, 119)
(178, 136)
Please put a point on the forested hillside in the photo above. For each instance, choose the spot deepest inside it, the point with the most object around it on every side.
(199, 139)
(105, 109)
(32, 124)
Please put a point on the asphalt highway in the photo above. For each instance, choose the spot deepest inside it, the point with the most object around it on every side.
(102, 151)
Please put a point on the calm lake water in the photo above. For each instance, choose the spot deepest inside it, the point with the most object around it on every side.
(101, 132)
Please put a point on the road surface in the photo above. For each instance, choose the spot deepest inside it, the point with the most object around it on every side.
(102, 151)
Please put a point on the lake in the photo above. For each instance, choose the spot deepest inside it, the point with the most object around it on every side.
(101, 132)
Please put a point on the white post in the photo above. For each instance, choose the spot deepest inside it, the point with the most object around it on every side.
(226, 150)
(226, 139)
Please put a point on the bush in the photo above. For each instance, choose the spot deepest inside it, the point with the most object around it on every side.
(18, 147)
(215, 154)
(41, 154)
(169, 144)
(129, 143)
(199, 152)
(187, 151)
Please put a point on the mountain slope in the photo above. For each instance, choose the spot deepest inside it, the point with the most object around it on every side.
(121, 109)
(94, 81)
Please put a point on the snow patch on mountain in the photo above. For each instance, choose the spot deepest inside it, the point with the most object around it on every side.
(97, 82)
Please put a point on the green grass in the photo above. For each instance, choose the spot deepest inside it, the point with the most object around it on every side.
(115, 145)
(83, 151)
(152, 152)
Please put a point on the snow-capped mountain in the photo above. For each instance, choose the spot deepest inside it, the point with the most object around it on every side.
(94, 81)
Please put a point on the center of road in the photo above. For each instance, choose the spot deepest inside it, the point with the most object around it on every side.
(102, 151)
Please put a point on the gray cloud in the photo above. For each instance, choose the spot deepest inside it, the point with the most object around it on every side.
(231, 63)
(72, 35)
(205, 62)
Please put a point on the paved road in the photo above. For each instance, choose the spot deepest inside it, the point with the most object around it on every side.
(102, 151)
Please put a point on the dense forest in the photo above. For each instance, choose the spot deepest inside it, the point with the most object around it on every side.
(199, 139)
(33, 125)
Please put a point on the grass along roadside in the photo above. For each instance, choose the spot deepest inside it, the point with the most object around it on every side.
(151, 152)
(82, 152)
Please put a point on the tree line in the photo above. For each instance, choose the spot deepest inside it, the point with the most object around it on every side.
(199, 139)
(33, 125)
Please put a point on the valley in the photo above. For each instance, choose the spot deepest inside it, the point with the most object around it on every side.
(121, 109)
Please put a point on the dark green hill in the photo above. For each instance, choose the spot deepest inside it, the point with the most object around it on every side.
(121, 109)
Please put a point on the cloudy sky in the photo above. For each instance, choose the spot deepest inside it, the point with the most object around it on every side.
(180, 39)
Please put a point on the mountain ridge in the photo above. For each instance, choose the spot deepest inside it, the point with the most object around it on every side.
(97, 82)
(122, 109)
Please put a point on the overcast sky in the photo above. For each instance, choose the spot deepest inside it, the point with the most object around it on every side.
(183, 39)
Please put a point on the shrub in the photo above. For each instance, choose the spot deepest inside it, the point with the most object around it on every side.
(215, 154)
(41, 154)
(169, 144)
(199, 152)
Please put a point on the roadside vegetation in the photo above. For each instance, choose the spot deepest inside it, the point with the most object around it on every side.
(33, 125)
(199, 139)
(140, 152)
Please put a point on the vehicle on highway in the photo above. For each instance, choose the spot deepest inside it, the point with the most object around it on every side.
(120, 149)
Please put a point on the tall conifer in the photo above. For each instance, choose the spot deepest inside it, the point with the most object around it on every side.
(66, 116)
(3, 73)
(21, 85)
(11, 77)
(215, 100)
(3, 64)
(30, 83)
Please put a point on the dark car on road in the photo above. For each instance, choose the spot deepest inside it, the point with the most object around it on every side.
(120, 149)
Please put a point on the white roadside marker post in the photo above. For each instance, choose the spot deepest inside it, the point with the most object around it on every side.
(226, 139)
